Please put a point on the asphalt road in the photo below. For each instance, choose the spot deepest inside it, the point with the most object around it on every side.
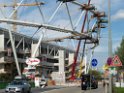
(75, 90)
(57, 89)
(42, 90)
(39, 90)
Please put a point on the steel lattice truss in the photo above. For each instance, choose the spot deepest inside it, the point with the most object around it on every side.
(73, 33)
(88, 20)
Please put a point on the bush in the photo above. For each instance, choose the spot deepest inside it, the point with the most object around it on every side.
(6, 77)
(3, 85)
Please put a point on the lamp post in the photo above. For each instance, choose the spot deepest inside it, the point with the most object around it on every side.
(109, 42)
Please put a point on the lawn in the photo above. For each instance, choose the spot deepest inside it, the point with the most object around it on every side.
(118, 90)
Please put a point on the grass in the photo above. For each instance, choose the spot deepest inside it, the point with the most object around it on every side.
(119, 90)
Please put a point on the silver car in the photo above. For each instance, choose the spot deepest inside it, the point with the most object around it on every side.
(18, 86)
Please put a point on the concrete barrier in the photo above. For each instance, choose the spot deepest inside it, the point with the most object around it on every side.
(119, 84)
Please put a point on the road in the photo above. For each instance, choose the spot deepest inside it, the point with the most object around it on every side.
(64, 90)
(38, 90)
(76, 90)
(41, 90)
(68, 90)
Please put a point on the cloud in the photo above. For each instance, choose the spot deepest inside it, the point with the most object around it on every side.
(118, 15)
(103, 4)
(99, 4)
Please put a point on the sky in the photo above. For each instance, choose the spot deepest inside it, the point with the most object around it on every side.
(61, 19)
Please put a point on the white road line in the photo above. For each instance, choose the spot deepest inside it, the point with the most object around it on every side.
(49, 91)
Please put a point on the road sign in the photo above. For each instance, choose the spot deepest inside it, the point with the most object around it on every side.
(94, 62)
(32, 61)
(113, 70)
(105, 67)
(109, 61)
(116, 61)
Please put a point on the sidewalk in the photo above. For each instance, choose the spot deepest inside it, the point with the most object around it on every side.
(69, 84)
(2, 90)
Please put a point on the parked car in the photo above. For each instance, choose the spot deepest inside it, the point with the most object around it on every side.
(87, 81)
(43, 83)
(18, 86)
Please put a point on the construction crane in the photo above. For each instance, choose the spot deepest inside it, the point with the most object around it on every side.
(78, 47)
(96, 14)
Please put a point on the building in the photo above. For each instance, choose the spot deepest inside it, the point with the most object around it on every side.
(55, 60)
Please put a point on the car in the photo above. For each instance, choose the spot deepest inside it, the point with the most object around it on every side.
(20, 77)
(18, 86)
(87, 81)
(43, 83)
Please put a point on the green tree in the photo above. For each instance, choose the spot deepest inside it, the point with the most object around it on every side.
(96, 73)
(120, 53)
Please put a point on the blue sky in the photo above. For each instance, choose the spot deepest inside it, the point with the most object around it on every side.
(117, 26)
(61, 20)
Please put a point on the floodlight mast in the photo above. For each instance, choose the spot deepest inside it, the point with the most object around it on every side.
(109, 42)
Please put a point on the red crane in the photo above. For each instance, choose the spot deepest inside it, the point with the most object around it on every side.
(78, 47)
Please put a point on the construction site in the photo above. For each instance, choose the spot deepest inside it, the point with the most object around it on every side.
(61, 43)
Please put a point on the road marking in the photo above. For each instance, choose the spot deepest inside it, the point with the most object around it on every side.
(49, 91)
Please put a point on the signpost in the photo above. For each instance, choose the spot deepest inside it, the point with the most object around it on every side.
(109, 60)
(113, 63)
(94, 62)
(105, 67)
(116, 62)
(32, 61)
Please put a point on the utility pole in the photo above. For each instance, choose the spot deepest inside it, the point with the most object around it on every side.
(109, 42)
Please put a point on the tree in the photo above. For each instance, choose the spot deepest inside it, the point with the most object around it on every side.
(120, 53)
(96, 73)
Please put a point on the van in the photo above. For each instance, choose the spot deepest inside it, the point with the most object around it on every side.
(87, 81)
